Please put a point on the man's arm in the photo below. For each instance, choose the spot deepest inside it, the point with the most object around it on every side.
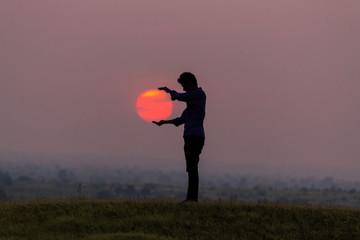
(165, 89)
(184, 97)
(176, 121)
(161, 122)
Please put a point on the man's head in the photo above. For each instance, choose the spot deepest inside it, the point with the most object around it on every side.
(188, 81)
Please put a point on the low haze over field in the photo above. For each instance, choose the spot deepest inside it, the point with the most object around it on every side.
(281, 77)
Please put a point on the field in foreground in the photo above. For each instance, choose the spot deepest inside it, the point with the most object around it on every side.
(162, 219)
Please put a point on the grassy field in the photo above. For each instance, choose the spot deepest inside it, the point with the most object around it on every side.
(162, 219)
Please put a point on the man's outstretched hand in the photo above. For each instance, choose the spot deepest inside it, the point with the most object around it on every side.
(159, 123)
(165, 89)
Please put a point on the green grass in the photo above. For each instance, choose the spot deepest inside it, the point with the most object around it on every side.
(165, 220)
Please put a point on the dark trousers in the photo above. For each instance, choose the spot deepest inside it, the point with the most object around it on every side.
(192, 148)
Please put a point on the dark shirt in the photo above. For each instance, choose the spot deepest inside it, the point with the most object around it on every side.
(194, 114)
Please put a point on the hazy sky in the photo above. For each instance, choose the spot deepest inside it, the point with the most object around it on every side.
(282, 77)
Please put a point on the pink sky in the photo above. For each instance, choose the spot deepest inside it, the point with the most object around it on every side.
(282, 77)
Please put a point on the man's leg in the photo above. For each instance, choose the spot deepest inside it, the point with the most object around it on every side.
(193, 185)
(192, 148)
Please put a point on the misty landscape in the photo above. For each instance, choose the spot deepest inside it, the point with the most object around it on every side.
(276, 109)
(26, 176)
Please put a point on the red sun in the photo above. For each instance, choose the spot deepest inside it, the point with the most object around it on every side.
(154, 105)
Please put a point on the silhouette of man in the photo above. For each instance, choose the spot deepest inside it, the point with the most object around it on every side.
(194, 135)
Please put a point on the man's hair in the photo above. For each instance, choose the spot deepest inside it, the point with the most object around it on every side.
(187, 77)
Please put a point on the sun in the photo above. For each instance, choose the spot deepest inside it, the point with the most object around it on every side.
(154, 105)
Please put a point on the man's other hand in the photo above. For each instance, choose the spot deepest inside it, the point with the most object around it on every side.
(165, 89)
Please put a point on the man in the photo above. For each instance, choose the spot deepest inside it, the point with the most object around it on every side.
(194, 135)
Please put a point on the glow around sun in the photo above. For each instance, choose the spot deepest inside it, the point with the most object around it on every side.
(154, 105)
